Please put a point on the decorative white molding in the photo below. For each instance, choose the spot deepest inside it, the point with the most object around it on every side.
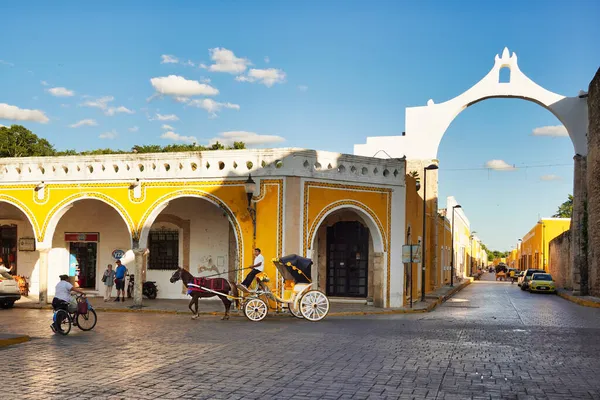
(220, 164)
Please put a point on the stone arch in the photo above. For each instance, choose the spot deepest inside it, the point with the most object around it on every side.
(370, 218)
(154, 211)
(25, 210)
(58, 211)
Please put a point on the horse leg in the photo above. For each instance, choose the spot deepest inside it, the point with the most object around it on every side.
(196, 298)
(227, 304)
(190, 306)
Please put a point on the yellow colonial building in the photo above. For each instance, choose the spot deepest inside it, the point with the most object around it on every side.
(206, 212)
(533, 249)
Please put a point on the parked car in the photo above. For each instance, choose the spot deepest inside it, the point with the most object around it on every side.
(524, 280)
(9, 290)
(542, 283)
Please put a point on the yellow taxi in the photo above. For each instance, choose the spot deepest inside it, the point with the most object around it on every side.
(542, 282)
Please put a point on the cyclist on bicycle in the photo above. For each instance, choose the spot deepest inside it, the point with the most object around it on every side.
(62, 297)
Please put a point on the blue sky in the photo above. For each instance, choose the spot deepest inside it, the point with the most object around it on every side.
(321, 75)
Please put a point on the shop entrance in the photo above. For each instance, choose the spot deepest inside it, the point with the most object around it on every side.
(347, 259)
(8, 246)
(83, 263)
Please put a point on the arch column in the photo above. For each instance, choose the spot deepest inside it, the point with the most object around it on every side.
(138, 287)
(43, 257)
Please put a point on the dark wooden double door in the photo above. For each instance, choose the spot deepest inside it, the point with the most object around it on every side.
(347, 260)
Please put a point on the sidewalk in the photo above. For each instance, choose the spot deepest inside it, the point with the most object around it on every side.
(213, 306)
(8, 339)
(587, 301)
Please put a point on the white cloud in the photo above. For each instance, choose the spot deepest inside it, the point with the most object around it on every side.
(15, 113)
(167, 59)
(225, 61)
(249, 138)
(84, 122)
(267, 59)
(174, 85)
(167, 127)
(102, 104)
(499, 165)
(108, 135)
(44, 83)
(211, 106)
(167, 117)
(302, 88)
(7, 63)
(555, 131)
(551, 178)
(134, 129)
(189, 63)
(61, 92)
(178, 138)
(118, 110)
(267, 77)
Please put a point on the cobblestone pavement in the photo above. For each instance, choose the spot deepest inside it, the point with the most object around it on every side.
(489, 341)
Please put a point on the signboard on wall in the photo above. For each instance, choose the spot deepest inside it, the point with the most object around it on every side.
(414, 250)
(118, 254)
(82, 237)
(27, 244)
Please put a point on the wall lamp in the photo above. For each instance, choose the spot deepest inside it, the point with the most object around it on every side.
(250, 187)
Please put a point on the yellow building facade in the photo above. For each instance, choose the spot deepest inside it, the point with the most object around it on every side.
(156, 212)
(533, 250)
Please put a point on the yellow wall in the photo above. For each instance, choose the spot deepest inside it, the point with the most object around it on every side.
(535, 245)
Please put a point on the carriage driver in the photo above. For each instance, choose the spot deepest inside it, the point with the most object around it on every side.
(258, 267)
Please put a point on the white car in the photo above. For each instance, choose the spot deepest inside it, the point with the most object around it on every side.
(9, 289)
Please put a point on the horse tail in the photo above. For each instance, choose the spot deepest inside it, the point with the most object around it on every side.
(235, 293)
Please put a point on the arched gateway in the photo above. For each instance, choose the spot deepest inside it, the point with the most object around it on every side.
(426, 125)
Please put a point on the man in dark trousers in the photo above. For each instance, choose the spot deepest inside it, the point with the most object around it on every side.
(257, 267)
(120, 273)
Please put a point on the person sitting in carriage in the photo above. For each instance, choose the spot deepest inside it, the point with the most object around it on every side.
(257, 267)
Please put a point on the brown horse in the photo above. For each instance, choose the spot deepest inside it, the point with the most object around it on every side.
(223, 284)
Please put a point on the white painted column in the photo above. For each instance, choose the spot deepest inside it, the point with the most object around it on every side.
(44, 254)
(138, 269)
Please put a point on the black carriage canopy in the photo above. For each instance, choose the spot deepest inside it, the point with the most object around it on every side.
(294, 267)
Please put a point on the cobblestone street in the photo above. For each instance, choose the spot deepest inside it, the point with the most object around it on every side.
(489, 341)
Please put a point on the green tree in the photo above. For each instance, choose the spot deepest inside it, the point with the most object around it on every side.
(565, 210)
(18, 141)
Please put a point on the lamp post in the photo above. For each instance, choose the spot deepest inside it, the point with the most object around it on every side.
(250, 187)
(543, 244)
(423, 263)
(452, 258)
(519, 246)
(472, 237)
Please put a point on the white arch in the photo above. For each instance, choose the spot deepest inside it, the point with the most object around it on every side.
(61, 209)
(377, 236)
(162, 203)
(426, 125)
(22, 208)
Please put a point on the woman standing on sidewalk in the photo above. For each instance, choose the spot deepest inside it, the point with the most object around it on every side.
(109, 279)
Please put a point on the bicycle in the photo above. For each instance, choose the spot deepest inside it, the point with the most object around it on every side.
(86, 321)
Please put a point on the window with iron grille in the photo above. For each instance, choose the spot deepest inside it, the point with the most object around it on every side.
(164, 249)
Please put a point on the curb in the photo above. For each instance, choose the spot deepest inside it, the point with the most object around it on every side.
(16, 339)
(578, 300)
(430, 307)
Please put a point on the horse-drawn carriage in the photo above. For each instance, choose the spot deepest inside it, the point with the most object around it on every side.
(301, 299)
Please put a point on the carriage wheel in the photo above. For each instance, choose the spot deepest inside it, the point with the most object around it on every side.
(256, 310)
(314, 305)
(295, 311)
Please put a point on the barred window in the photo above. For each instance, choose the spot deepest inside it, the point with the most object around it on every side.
(164, 249)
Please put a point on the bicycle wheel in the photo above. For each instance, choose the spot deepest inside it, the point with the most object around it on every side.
(87, 321)
(64, 326)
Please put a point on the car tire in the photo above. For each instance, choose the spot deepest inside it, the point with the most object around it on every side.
(7, 304)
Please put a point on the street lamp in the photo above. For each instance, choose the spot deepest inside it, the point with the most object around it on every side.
(521, 263)
(543, 244)
(423, 264)
(472, 237)
(452, 262)
(250, 187)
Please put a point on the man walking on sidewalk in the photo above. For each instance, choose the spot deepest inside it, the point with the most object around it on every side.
(120, 280)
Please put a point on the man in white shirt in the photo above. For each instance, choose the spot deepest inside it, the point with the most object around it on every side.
(62, 296)
(257, 267)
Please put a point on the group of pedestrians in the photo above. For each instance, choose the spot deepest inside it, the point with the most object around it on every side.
(116, 278)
